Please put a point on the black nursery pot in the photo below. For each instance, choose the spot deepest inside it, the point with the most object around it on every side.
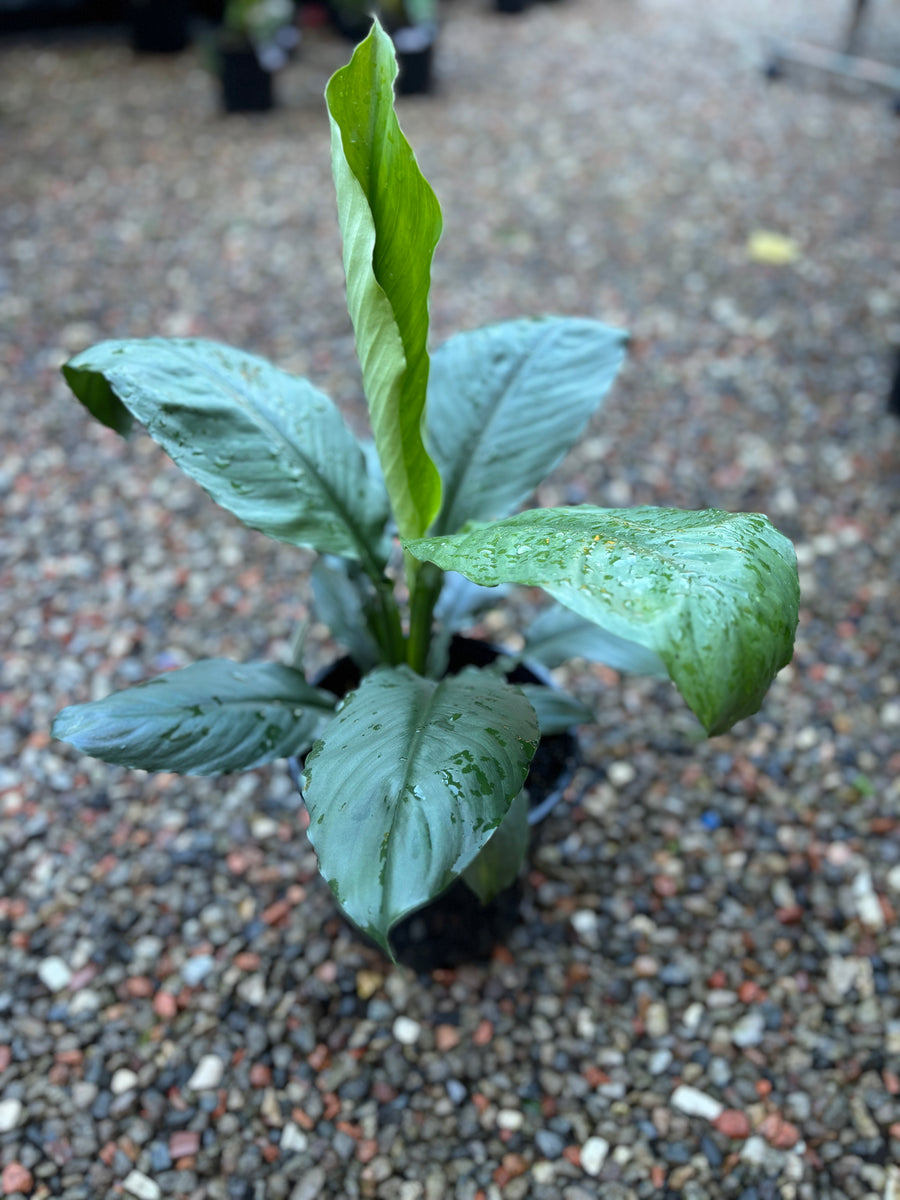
(158, 26)
(415, 58)
(456, 928)
(246, 86)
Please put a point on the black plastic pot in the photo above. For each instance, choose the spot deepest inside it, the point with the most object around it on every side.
(456, 928)
(511, 6)
(158, 26)
(415, 57)
(246, 86)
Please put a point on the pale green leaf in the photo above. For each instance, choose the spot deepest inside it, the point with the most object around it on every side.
(266, 445)
(498, 864)
(713, 594)
(209, 718)
(390, 223)
(556, 710)
(558, 634)
(409, 782)
(339, 601)
(506, 402)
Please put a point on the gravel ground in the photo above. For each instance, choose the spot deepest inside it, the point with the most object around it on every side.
(703, 996)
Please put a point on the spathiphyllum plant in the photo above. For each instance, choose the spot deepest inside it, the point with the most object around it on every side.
(416, 776)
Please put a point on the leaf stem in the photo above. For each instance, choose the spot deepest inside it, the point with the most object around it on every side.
(389, 632)
(425, 582)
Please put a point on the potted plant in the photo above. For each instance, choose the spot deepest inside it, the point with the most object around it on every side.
(414, 778)
(254, 41)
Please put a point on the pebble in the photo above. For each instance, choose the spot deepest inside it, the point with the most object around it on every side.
(660, 1061)
(594, 1153)
(749, 1030)
(406, 1030)
(694, 1103)
(54, 973)
(732, 1123)
(16, 1178)
(195, 969)
(293, 1139)
(549, 1144)
(207, 1074)
(11, 1112)
(142, 1186)
(123, 1081)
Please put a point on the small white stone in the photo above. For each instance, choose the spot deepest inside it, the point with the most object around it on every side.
(123, 1081)
(694, 1103)
(868, 906)
(659, 1061)
(263, 829)
(749, 1030)
(656, 1020)
(593, 1155)
(252, 990)
(10, 1114)
(84, 1001)
(692, 1017)
(196, 968)
(543, 1171)
(620, 773)
(754, 1150)
(892, 879)
(510, 1118)
(586, 924)
(293, 1139)
(142, 1186)
(207, 1074)
(54, 974)
(407, 1031)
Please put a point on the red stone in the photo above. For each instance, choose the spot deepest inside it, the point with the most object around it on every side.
(16, 1178)
(733, 1123)
(260, 1075)
(483, 1034)
(779, 1133)
(165, 1005)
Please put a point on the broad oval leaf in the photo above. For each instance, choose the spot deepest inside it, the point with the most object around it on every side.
(507, 402)
(409, 782)
(209, 718)
(713, 594)
(390, 223)
(557, 634)
(265, 445)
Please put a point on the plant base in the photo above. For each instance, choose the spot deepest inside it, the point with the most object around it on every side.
(246, 86)
(456, 928)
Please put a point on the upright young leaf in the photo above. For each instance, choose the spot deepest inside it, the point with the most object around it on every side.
(390, 222)
(267, 446)
(211, 717)
(506, 402)
(409, 782)
(713, 594)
